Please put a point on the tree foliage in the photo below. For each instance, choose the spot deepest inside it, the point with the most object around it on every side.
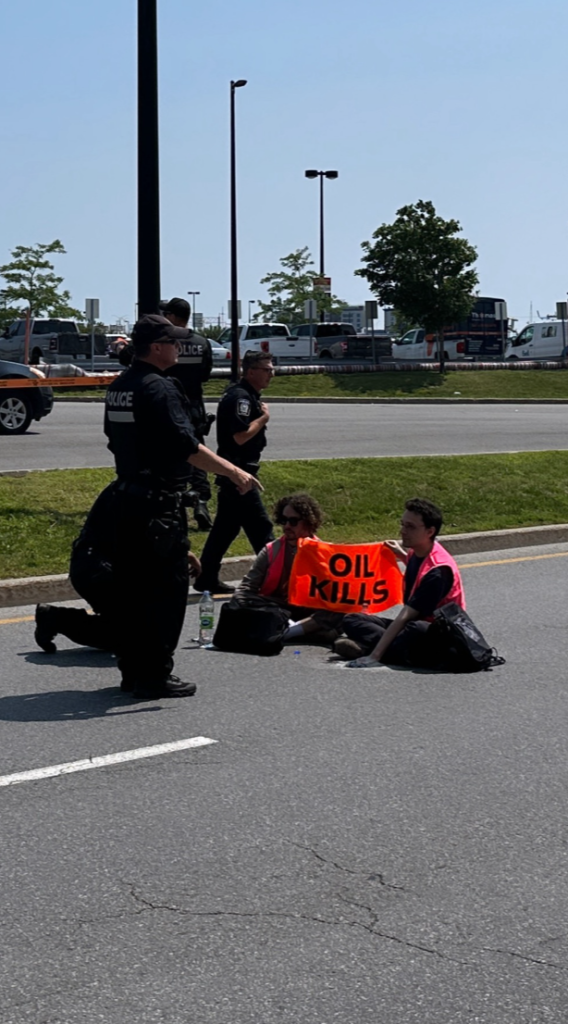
(289, 289)
(31, 282)
(419, 266)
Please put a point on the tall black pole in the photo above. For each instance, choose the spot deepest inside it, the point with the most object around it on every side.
(234, 283)
(322, 260)
(148, 161)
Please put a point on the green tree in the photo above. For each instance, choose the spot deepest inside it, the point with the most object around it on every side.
(212, 331)
(31, 282)
(290, 287)
(419, 266)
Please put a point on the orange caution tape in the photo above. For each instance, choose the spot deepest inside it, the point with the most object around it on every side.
(345, 577)
(57, 382)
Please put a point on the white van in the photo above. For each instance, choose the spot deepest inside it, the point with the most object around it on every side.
(545, 340)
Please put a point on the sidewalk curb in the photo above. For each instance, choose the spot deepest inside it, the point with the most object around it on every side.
(49, 589)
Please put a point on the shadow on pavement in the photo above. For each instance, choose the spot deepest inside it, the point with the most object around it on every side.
(75, 657)
(68, 705)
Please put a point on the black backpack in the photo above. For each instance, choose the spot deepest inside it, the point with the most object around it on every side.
(251, 625)
(457, 643)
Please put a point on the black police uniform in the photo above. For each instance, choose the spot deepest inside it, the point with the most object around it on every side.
(193, 369)
(91, 573)
(151, 436)
(238, 408)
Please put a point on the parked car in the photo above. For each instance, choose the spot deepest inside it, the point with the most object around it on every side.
(19, 406)
(221, 355)
(416, 345)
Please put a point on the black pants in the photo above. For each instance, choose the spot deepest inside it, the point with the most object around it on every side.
(234, 512)
(93, 579)
(410, 647)
(152, 580)
(199, 482)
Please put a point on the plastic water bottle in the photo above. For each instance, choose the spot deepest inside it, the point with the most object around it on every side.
(206, 618)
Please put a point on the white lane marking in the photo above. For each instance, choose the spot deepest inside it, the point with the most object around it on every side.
(100, 762)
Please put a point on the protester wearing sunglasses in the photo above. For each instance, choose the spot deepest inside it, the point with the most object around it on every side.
(300, 516)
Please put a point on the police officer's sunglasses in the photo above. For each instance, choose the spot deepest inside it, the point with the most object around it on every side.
(292, 520)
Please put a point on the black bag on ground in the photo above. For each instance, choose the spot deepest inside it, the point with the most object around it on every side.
(458, 643)
(251, 625)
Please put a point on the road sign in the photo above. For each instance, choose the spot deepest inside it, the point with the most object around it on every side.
(92, 309)
(229, 310)
(311, 309)
(500, 310)
(562, 310)
(371, 311)
(324, 283)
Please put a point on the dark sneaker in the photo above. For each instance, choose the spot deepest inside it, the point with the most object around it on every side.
(46, 628)
(172, 687)
(214, 588)
(203, 517)
(347, 649)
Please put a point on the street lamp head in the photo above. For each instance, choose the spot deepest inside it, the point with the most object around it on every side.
(331, 174)
(239, 83)
(311, 174)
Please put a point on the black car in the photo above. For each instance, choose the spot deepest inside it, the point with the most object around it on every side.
(19, 406)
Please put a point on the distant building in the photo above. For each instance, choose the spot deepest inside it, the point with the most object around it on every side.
(354, 315)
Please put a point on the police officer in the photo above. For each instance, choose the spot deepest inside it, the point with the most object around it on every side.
(91, 572)
(241, 437)
(151, 436)
(193, 369)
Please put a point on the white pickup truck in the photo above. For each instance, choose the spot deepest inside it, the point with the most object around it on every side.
(273, 338)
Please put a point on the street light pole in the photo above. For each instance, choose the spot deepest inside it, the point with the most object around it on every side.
(148, 161)
(193, 294)
(234, 283)
(321, 175)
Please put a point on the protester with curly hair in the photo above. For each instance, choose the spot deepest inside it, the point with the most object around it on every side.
(300, 516)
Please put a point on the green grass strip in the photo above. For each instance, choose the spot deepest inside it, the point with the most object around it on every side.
(539, 384)
(41, 513)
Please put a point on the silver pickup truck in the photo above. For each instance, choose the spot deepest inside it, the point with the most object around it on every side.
(51, 341)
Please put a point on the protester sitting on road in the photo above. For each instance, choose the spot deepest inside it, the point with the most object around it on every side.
(431, 580)
(300, 516)
(91, 573)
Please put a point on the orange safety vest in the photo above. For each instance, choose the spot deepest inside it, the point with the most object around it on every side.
(439, 556)
(276, 557)
(276, 554)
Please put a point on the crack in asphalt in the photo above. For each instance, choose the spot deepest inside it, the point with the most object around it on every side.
(370, 929)
(521, 956)
(375, 876)
(395, 938)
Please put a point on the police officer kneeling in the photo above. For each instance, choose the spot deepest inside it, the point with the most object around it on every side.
(148, 424)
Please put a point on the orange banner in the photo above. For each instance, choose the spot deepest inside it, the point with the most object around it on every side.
(345, 577)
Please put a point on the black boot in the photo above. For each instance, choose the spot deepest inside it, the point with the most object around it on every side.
(203, 517)
(46, 627)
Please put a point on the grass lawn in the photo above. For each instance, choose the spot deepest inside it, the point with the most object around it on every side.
(41, 513)
(403, 384)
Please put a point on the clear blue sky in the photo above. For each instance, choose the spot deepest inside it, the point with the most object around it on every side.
(459, 102)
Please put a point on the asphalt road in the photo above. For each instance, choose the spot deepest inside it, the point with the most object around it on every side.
(356, 847)
(72, 436)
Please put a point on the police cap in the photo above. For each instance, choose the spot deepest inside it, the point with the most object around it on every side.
(152, 328)
(180, 307)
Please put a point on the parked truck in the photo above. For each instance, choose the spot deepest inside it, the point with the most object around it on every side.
(51, 341)
(273, 338)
